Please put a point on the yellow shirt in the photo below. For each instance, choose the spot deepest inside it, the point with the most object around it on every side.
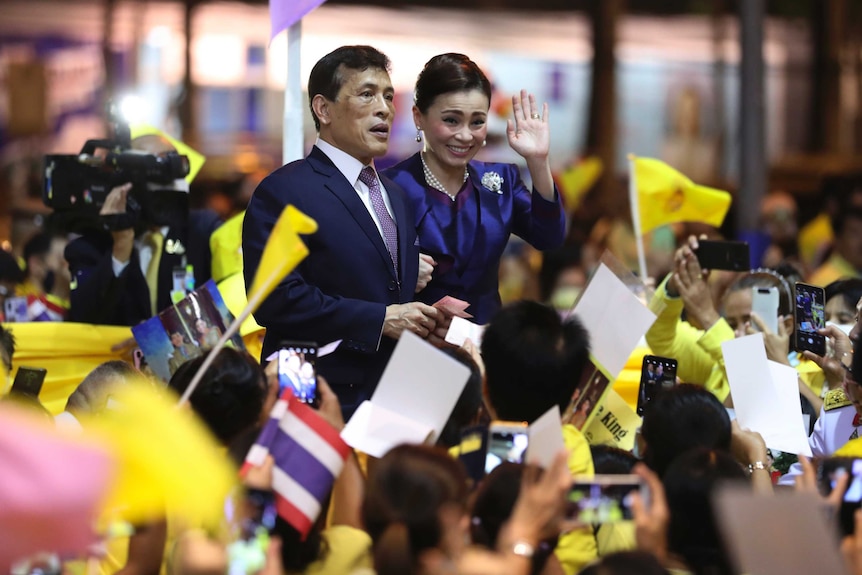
(349, 549)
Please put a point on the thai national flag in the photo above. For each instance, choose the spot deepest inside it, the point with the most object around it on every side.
(309, 455)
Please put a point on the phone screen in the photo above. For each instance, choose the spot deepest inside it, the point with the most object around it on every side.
(827, 475)
(28, 381)
(296, 371)
(657, 375)
(603, 498)
(723, 255)
(505, 443)
(810, 304)
(255, 519)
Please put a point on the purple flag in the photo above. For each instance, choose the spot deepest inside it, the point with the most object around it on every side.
(285, 13)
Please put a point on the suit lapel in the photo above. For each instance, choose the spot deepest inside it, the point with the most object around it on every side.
(337, 184)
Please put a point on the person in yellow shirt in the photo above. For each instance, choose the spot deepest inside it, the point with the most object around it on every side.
(696, 342)
(846, 259)
(533, 361)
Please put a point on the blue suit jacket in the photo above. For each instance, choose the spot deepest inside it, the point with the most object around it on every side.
(511, 210)
(341, 290)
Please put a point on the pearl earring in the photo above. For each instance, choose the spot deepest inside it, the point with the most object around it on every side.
(484, 143)
(418, 135)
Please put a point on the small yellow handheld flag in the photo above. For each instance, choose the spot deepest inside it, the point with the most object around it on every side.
(282, 252)
(577, 179)
(665, 196)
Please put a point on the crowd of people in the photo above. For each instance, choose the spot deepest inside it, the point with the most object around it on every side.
(390, 247)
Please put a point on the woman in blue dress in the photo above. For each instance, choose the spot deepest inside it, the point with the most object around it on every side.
(466, 209)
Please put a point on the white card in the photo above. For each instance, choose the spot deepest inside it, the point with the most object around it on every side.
(375, 430)
(421, 385)
(545, 438)
(765, 395)
(615, 318)
(460, 330)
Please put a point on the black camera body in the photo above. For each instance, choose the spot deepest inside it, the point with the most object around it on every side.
(76, 186)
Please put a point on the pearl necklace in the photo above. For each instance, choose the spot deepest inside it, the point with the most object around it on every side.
(432, 180)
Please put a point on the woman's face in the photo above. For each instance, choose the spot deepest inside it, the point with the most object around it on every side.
(455, 127)
(837, 311)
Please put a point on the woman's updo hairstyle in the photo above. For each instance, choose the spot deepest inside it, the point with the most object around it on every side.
(445, 74)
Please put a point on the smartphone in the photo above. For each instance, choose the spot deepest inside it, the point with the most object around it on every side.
(764, 302)
(827, 471)
(723, 255)
(255, 520)
(657, 374)
(604, 498)
(507, 441)
(296, 370)
(28, 381)
(809, 315)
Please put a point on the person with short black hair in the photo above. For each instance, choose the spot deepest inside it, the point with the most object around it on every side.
(358, 280)
(533, 361)
(682, 418)
(230, 398)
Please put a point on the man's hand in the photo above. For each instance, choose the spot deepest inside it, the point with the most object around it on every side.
(426, 268)
(689, 281)
(415, 316)
(124, 240)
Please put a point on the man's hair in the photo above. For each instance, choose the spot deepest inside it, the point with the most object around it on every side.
(38, 245)
(533, 360)
(9, 268)
(327, 77)
(230, 397)
(681, 418)
(92, 393)
(7, 347)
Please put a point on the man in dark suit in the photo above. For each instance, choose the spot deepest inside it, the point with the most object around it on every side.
(358, 280)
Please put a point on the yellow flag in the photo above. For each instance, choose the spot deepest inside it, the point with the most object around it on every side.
(665, 196)
(852, 448)
(283, 252)
(576, 180)
(167, 462)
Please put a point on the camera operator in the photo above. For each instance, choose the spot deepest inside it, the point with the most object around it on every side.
(122, 277)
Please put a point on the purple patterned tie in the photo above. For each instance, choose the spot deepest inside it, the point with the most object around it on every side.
(390, 231)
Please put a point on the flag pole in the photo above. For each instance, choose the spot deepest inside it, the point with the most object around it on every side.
(636, 219)
(292, 131)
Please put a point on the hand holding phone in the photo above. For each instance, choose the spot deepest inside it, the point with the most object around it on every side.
(296, 370)
(828, 471)
(507, 441)
(657, 374)
(604, 498)
(764, 302)
(809, 314)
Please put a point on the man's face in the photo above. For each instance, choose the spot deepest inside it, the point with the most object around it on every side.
(854, 392)
(359, 121)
